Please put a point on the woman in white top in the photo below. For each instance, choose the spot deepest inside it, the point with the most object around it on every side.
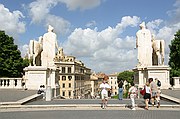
(147, 95)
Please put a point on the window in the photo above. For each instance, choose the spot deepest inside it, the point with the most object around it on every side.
(69, 69)
(69, 77)
(69, 85)
(63, 93)
(63, 85)
(63, 78)
(63, 70)
(69, 93)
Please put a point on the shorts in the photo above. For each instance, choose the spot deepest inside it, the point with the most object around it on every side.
(147, 96)
(104, 96)
(154, 94)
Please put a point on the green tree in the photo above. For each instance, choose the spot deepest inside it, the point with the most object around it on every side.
(174, 55)
(11, 63)
(126, 75)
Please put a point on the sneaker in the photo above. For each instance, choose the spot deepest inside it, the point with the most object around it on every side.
(103, 106)
(158, 105)
(133, 109)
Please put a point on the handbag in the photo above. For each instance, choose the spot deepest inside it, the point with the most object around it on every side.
(142, 92)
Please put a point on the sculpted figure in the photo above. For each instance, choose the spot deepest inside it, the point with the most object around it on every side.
(158, 51)
(144, 45)
(49, 47)
(60, 55)
(35, 49)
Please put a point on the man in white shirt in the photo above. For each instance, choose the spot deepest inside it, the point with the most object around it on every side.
(132, 94)
(104, 86)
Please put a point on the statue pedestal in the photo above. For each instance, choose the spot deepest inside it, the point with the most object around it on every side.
(36, 76)
(142, 74)
(176, 82)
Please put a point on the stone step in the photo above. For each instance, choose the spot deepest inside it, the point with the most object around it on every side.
(24, 100)
(171, 98)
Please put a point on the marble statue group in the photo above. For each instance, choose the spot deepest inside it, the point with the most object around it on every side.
(150, 50)
(43, 52)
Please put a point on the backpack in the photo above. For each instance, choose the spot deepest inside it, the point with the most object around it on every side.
(159, 83)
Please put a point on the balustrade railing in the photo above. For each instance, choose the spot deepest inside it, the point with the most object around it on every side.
(9, 83)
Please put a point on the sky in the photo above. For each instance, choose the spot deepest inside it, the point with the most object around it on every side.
(100, 33)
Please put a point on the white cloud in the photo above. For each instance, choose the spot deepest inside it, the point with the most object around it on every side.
(154, 25)
(11, 22)
(91, 24)
(102, 49)
(60, 25)
(170, 27)
(39, 9)
(24, 49)
(40, 12)
(81, 4)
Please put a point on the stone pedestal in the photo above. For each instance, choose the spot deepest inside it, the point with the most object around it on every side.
(142, 74)
(176, 82)
(36, 76)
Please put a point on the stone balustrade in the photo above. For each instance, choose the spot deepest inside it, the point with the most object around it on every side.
(11, 83)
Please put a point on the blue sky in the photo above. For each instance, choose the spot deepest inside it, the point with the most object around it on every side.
(100, 33)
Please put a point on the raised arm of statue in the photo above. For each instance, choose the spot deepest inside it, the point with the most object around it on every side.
(56, 45)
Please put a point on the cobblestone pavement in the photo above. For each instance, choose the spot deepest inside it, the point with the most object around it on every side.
(92, 114)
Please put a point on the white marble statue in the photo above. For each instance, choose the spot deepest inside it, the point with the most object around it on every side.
(49, 47)
(144, 45)
(35, 49)
(158, 51)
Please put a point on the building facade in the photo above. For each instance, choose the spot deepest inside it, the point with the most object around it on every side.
(73, 75)
(113, 83)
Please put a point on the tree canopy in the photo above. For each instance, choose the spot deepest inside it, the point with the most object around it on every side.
(11, 63)
(126, 75)
(174, 61)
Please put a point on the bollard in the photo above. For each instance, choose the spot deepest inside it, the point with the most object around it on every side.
(48, 93)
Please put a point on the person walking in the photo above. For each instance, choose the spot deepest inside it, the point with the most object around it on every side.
(158, 92)
(120, 92)
(104, 86)
(154, 89)
(132, 94)
(147, 95)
